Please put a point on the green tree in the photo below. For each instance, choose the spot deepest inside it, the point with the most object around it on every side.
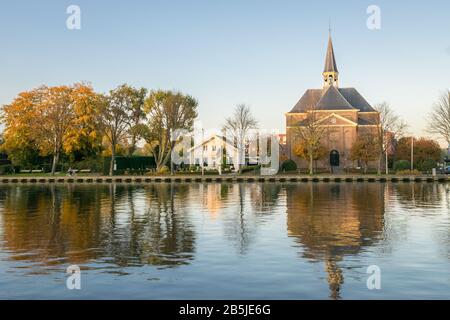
(166, 112)
(116, 117)
(136, 117)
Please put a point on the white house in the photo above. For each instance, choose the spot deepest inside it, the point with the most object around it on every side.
(211, 151)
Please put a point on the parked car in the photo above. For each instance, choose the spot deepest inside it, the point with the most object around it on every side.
(447, 170)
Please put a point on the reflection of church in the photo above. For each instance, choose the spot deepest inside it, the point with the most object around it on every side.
(331, 222)
(343, 111)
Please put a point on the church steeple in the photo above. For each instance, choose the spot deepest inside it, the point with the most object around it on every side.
(330, 72)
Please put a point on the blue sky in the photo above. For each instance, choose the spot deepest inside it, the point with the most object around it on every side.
(262, 53)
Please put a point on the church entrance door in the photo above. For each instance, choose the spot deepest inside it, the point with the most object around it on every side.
(334, 158)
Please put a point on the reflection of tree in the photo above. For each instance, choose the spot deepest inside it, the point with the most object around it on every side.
(170, 234)
(418, 195)
(264, 196)
(332, 221)
(237, 227)
(249, 203)
(125, 224)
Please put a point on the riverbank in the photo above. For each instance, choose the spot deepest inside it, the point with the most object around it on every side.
(223, 178)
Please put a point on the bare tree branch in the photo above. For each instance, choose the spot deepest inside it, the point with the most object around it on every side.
(439, 123)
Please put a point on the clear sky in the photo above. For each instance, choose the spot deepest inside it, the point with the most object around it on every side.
(264, 53)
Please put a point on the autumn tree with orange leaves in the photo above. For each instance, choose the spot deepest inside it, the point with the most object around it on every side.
(53, 119)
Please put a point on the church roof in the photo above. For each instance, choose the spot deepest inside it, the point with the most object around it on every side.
(330, 60)
(356, 99)
(364, 122)
(332, 98)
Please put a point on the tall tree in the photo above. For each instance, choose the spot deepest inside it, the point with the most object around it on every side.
(166, 112)
(136, 117)
(84, 137)
(49, 113)
(439, 123)
(115, 117)
(49, 119)
(17, 118)
(310, 134)
(390, 128)
(365, 149)
(237, 127)
(55, 116)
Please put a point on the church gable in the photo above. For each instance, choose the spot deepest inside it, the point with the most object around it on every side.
(336, 120)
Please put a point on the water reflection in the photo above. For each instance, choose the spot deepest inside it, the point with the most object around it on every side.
(126, 226)
(332, 221)
(201, 231)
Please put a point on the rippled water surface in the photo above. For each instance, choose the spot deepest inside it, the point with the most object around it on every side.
(225, 241)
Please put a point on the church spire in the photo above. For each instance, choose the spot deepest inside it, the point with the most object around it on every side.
(330, 72)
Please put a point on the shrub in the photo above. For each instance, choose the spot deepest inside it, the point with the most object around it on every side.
(428, 165)
(402, 165)
(289, 165)
(94, 164)
(408, 172)
(6, 169)
(245, 169)
(211, 172)
(164, 170)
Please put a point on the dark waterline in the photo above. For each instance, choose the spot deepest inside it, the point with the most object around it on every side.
(225, 241)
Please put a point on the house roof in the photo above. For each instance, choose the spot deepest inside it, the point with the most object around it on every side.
(214, 136)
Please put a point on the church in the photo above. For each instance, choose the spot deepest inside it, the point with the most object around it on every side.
(342, 111)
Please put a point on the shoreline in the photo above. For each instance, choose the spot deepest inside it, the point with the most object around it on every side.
(219, 179)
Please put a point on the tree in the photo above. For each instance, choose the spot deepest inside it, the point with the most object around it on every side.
(389, 128)
(439, 123)
(55, 116)
(115, 117)
(18, 117)
(166, 112)
(43, 116)
(302, 150)
(84, 137)
(310, 135)
(137, 116)
(365, 149)
(237, 128)
(424, 151)
(49, 119)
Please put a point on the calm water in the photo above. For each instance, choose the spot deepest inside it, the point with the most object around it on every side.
(227, 241)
